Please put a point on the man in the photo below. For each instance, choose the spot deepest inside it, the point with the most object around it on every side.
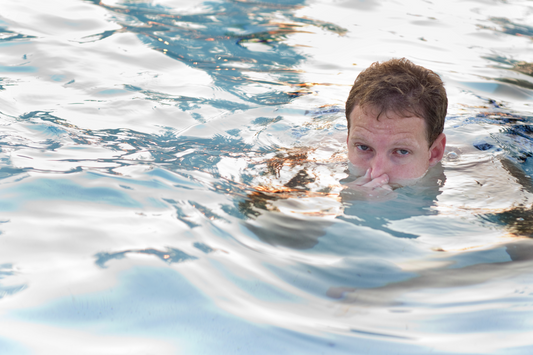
(395, 114)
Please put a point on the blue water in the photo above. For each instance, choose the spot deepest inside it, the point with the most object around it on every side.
(171, 180)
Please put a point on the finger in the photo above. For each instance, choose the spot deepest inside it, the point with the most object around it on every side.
(386, 187)
(363, 179)
(380, 181)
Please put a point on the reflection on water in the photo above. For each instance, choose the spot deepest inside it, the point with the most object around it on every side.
(172, 180)
(240, 44)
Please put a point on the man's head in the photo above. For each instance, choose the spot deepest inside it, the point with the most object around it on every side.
(396, 113)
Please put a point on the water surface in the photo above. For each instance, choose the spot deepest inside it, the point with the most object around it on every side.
(171, 171)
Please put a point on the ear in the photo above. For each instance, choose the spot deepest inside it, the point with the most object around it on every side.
(436, 151)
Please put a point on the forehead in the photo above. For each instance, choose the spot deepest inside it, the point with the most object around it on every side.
(364, 122)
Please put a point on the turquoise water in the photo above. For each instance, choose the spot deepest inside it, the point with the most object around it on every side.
(171, 180)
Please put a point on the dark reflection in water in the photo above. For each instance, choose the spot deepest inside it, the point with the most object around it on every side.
(511, 28)
(519, 259)
(296, 231)
(518, 220)
(171, 255)
(515, 138)
(238, 43)
(8, 36)
(6, 290)
(166, 150)
(513, 64)
(187, 103)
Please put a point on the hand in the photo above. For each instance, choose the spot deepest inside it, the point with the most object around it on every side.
(366, 181)
(377, 189)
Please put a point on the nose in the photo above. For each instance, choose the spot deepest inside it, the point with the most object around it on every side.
(380, 165)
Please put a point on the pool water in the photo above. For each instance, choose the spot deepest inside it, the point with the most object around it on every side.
(171, 180)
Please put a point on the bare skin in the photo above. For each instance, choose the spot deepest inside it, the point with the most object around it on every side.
(390, 151)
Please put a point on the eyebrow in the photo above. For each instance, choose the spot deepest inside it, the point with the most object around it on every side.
(407, 141)
(401, 142)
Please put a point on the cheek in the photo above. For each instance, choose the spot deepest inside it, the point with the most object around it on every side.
(412, 170)
(355, 159)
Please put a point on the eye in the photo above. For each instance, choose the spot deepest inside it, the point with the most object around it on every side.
(402, 151)
(363, 147)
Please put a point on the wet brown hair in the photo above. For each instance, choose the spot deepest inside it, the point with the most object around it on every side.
(402, 87)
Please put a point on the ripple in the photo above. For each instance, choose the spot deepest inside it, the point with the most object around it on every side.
(174, 172)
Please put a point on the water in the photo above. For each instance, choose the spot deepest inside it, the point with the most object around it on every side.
(171, 171)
